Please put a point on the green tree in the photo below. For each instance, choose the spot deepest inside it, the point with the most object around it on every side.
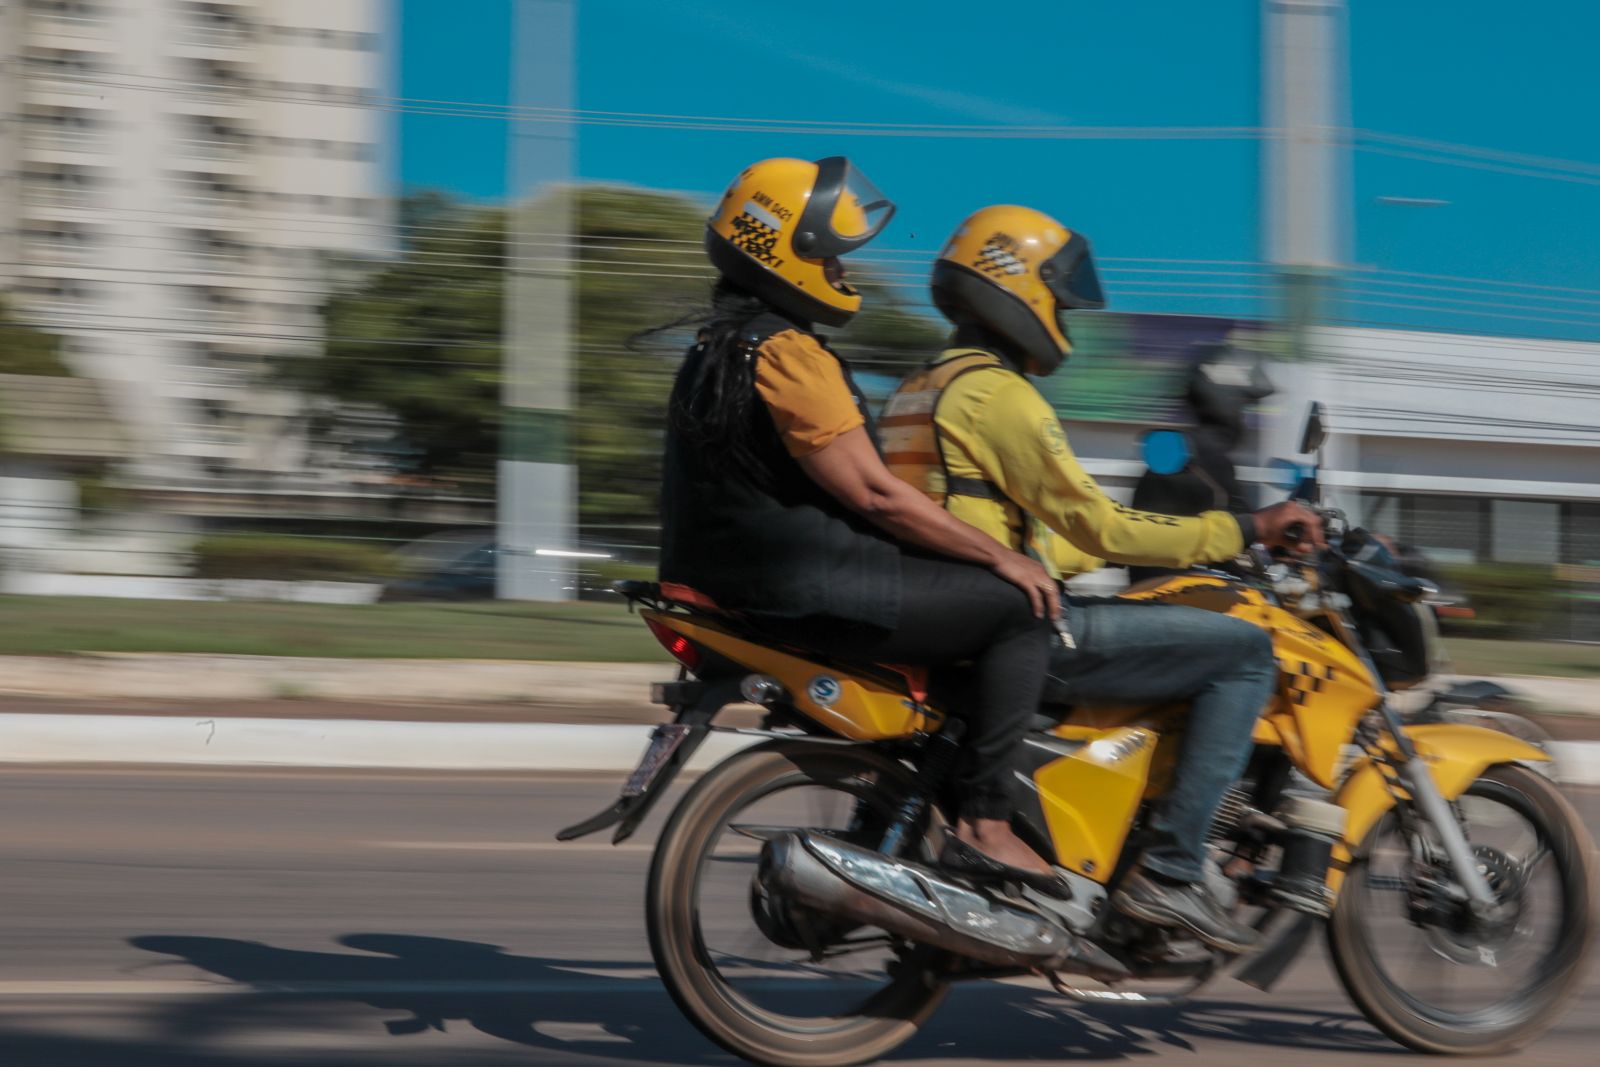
(25, 350)
(420, 337)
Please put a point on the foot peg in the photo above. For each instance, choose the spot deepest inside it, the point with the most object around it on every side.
(958, 857)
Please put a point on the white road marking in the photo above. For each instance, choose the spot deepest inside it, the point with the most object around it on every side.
(505, 846)
(154, 988)
(588, 1033)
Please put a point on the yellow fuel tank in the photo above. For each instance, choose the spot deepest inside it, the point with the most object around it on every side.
(1323, 688)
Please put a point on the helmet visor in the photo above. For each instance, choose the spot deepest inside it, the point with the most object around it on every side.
(844, 212)
(1071, 276)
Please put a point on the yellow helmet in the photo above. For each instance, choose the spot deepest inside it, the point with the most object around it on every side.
(1012, 272)
(781, 221)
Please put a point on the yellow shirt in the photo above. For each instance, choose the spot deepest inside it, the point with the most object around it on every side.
(996, 426)
(804, 389)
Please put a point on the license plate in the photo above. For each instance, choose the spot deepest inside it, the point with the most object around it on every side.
(664, 741)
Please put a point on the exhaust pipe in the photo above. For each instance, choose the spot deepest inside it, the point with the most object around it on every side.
(922, 905)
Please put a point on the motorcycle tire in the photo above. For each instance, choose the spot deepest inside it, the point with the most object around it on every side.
(892, 1016)
(1503, 1027)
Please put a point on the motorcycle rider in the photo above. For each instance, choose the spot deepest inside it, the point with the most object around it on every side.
(975, 435)
(1216, 407)
(777, 504)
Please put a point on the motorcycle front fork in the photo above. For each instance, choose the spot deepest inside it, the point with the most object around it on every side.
(1434, 810)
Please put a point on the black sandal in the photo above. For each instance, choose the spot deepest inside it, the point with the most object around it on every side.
(958, 857)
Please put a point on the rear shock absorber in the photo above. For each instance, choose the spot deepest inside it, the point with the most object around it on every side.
(936, 759)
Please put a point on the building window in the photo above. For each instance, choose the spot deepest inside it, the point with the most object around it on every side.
(1448, 528)
(216, 25)
(1526, 531)
(71, 16)
(1582, 543)
(76, 129)
(56, 290)
(62, 183)
(65, 63)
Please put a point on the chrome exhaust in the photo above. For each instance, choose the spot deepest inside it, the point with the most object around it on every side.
(842, 880)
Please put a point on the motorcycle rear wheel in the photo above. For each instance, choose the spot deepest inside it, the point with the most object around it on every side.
(1531, 1004)
(738, 1022)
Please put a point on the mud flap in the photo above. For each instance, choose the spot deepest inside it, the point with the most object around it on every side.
(671, 745)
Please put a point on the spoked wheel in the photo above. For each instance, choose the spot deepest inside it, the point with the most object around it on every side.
(1431, 978)
(765, 980)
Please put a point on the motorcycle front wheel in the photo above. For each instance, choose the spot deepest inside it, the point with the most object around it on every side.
(1438, 986)
(765, 982)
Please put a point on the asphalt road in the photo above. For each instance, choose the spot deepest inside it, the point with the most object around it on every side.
(246, 919)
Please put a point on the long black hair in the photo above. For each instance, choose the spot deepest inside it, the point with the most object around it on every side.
(714, 404)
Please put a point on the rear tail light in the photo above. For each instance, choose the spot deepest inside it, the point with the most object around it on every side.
(678, 646)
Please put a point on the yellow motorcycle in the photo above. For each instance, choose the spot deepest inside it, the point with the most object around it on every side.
(798, 918)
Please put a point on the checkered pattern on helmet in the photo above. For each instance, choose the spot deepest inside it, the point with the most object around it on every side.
(998, 256)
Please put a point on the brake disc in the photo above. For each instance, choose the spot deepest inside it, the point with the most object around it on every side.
(1477, 943)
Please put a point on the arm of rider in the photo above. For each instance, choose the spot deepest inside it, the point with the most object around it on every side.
(1022, 448)
(851, 470)
(813, 410)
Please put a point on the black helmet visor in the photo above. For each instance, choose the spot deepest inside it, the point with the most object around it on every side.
(1071, 276)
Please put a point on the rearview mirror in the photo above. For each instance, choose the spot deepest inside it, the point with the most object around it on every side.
(1166, 451)
(1312, 437)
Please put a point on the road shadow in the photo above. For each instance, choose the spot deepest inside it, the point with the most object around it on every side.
(427, 984)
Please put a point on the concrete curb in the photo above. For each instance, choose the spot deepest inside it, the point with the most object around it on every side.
(355, 743)
(403, 745)
(163, 676)
(160, 676)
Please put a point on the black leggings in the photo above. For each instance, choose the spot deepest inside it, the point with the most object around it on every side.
(949, 612)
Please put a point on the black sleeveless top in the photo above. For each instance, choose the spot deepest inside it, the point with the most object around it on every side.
(770, 542)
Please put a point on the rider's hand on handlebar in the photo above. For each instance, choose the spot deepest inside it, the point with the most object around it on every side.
(1289, 525)
(1027, 574)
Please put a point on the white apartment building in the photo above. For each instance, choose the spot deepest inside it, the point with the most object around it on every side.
(172, 175)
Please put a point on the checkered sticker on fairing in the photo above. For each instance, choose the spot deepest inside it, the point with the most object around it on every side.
(1303, 679)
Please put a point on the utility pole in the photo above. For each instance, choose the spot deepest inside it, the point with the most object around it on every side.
(1306, 218)
(537, 480)
(1305, 180)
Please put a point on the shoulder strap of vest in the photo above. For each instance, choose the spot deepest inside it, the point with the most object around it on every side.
(959, 363)
(763, 326)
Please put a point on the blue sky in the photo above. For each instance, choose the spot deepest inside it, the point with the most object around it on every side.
(1462, 72)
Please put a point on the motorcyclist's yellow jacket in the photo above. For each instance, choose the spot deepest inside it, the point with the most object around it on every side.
(980, 439)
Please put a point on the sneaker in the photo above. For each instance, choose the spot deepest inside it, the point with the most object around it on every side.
(1188, 907)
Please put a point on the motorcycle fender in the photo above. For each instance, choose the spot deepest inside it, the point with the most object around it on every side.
(1456, 754)
(670, 747)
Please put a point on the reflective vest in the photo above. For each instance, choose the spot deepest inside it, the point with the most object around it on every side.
(909, 430)
(913, 447)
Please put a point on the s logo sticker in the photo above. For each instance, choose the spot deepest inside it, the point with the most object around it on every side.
(823, 690)
(1050, 435)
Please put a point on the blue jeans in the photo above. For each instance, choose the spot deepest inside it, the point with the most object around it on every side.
(1138, 653)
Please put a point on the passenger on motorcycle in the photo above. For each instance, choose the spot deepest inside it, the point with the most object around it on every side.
(777, 503)
(974, 435)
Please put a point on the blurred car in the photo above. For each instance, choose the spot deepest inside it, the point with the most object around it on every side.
(451, 565)
(463, 565)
